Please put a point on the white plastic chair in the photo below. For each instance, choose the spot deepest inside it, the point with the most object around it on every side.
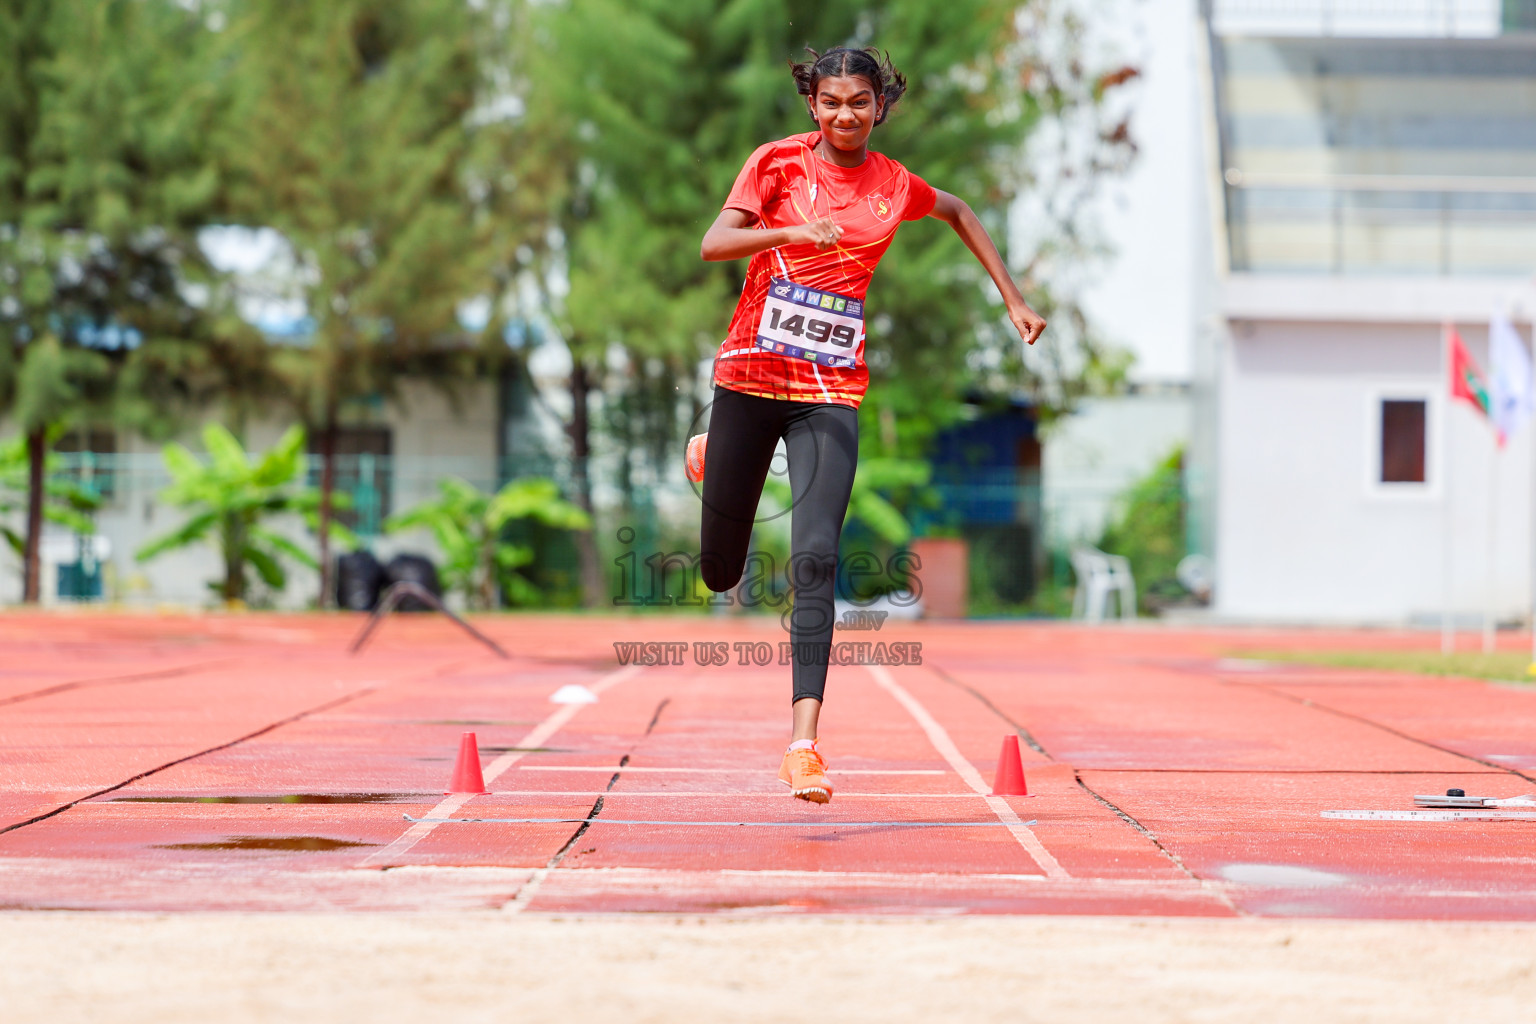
(1098, 576)
(1197, 575)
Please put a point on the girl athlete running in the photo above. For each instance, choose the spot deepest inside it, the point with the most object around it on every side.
(815, 212)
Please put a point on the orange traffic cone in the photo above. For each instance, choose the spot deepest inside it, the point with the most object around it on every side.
(1009, 780)
(466, 772)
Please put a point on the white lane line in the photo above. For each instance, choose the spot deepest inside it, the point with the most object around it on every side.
(895, 877)
(530, 889)
(939, 737)
(779, 795)
(1173, 885)
(450, 804)
(1180, 885)
(804, 823)
(604, 881)
(610, 769)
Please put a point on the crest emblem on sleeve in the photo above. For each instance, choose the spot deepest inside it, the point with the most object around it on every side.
(881, 206)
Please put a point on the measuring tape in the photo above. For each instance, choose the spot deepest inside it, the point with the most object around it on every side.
(1483, 815)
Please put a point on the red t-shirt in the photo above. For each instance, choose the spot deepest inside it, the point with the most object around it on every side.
(783, 184)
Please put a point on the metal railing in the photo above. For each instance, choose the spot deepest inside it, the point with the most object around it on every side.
(1414, 224)
(1371, 18)
(1019, 530)
(376, 484)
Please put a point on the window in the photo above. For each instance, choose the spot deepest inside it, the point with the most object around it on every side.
(1403, 440)
(364, 470)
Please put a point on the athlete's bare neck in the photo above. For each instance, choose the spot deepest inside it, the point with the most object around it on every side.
(841, 157)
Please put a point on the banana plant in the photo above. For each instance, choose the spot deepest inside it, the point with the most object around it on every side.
(469, 524)
(231, 498)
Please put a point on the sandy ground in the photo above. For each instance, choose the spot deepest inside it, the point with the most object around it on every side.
(492, 967)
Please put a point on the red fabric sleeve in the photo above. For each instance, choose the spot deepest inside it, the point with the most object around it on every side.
(920, 198)
(757, 183)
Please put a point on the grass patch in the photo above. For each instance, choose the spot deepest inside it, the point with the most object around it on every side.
(1504, 666)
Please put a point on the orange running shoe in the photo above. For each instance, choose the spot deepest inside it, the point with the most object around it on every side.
(805, 773)
(695, 459)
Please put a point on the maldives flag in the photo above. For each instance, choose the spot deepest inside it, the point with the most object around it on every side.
(1467, 380)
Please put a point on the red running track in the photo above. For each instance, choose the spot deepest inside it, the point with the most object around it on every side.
(247, 762)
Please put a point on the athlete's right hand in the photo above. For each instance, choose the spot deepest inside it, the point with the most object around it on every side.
(823, 233)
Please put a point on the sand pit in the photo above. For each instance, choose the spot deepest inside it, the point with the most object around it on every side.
(471, 967)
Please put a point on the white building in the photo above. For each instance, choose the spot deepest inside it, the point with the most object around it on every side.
(1372, 175)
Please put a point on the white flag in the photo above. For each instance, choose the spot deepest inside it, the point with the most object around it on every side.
(1512, 392)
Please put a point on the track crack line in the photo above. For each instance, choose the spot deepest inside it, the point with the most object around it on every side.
(140, 677)
(535, 881)
(1151, 837)
(1024, 734)
(586, 823)
(654, 719)
(1308, 702)
(1145, 832)
(387, 857)
(190, 757)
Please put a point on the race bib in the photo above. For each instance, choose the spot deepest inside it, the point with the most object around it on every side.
(805, 323)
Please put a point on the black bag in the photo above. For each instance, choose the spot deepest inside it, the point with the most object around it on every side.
(359, 579)
(415, 569)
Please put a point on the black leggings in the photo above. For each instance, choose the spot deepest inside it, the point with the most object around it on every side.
(823, 445)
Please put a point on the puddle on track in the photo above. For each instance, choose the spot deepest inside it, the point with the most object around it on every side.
(284, 844)
(286, 798)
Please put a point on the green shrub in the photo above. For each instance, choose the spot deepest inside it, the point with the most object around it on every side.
(471, 528)
(1149, 529)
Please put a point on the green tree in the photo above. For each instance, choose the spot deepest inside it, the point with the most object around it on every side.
(470, 527)
(104, 179)
(651, 107)
(371, 135)
(230, 498)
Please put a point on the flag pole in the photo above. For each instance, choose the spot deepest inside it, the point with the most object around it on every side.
(1490, 598)
(1531, 516)
(1530, 669)
(1447, 625)
(1512, 401)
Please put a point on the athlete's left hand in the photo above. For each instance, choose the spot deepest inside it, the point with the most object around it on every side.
(1029, 323)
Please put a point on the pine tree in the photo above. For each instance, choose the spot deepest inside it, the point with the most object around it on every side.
(367, 133)
(104, 178)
